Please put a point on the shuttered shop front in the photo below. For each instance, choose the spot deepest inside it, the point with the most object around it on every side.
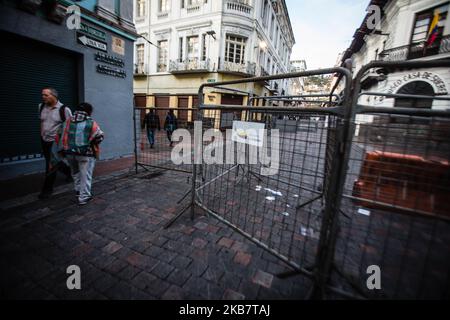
(26, 67)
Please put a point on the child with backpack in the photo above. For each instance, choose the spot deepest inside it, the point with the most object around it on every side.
(79, 143)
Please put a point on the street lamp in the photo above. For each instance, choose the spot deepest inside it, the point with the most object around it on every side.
(212, 33)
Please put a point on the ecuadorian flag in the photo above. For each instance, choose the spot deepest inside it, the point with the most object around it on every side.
(433, 31)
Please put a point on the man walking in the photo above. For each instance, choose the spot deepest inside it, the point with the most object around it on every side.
(52, 114)
(79, 143)
(151, 122)
(170, 125)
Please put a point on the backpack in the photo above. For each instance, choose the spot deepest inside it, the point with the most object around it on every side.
(62, 111)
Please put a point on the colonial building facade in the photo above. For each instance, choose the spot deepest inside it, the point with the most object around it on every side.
(404, 34)
(186, 43)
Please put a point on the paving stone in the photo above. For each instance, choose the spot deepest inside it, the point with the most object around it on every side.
(199, 243)
(225, 242)
(173, 293)
(143, 280)
(179, 277)
(112, 247)
(205, 289)
(162, 270)
(242, 258)
(232, 295)
(128, 273)
(138, 260)
(181, 262)
(104, 282)
(123, 290)
(263, 279)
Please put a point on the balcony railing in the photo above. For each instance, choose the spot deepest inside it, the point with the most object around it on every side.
(193, 8)
(247, 68)
(417, 50)
(140, 69)
(189, 65)
(163, 14)
(240, 7)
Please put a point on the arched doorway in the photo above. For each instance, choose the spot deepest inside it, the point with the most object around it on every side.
(415, 88)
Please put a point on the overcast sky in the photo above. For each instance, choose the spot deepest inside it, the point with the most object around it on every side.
(324, 28)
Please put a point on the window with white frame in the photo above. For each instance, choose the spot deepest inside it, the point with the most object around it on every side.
(192, 48)
(162, 56)
(164, 5)
(235, 49)
(140, 8)
(140, 54)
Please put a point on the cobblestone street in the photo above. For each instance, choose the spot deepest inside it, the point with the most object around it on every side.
(119, 242)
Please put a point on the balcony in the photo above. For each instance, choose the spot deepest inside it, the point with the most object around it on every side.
(261, 72)
(274, 87)
(238, 7)
(417, 50)
(140, 69)
(247, 69)
(189, 66)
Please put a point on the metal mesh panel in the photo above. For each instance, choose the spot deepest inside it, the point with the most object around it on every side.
(283, 211)
(395, 213)
(158, 154)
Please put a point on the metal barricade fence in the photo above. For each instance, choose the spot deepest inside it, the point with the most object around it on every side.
(355, 187)
(394, 217)
(283, 212)
(153, 136)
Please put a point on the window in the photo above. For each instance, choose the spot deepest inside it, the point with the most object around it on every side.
(194, 2)
(264, 12)
(164, 5)
(276, 38)
(261, 57)
(180, 52)
(192, 48)
(203, 47)
(140, 8)
(140, 58)
(423, 22)
(272, 25)
(235, 49)
(162, 56)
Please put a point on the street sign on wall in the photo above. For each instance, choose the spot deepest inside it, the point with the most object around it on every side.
(89, 42)
(93, 32)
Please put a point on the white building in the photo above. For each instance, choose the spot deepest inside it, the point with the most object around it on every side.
(298, 84)
(198, 41)
(402, 35)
